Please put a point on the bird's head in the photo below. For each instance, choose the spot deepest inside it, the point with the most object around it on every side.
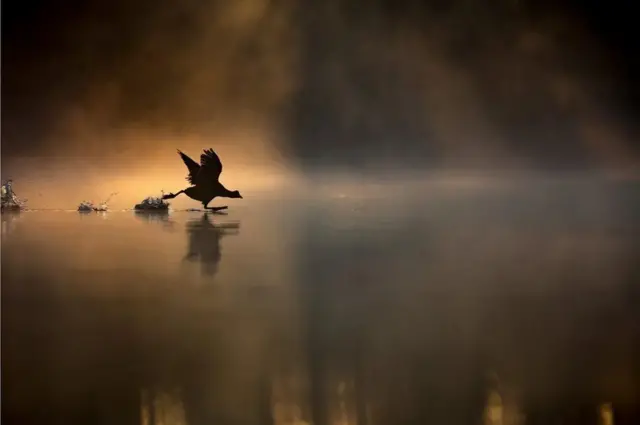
(235, 194)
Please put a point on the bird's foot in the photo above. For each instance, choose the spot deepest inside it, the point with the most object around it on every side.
(168, 196)
(216, 208)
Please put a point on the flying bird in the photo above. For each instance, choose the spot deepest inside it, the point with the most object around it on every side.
(204, 179)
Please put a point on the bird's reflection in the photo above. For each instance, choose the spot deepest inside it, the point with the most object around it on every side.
(204, 242)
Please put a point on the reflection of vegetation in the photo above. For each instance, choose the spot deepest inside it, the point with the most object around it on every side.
(161, 408)
(465, 283)
(9, 219)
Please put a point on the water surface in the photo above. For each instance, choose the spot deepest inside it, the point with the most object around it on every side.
(450, 307)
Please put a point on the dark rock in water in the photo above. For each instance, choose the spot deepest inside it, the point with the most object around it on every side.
(85, 207)
(90, 207)
(11, 203)
(8, 199)
(152, 204)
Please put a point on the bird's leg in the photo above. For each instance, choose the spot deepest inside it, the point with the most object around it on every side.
(172, 195)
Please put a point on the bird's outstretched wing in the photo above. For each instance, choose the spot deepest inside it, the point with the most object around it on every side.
(193, 167)
(210, 166)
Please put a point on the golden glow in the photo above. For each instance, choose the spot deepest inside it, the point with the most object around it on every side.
(249, 164)
(161, 409)
(494, 409)
(606, 414)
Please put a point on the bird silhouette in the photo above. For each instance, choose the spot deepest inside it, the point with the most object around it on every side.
(204, 178)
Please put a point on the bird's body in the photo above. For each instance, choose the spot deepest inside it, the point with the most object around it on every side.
(204, 178)
(206, 193)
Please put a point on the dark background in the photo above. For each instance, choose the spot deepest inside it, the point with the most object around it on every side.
(354, 83)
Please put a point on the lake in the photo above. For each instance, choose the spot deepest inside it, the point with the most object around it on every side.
(507, 305)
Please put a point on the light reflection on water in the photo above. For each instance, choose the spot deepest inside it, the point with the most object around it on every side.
(460, 310)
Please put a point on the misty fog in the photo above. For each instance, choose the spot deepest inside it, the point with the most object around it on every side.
(103, 96)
